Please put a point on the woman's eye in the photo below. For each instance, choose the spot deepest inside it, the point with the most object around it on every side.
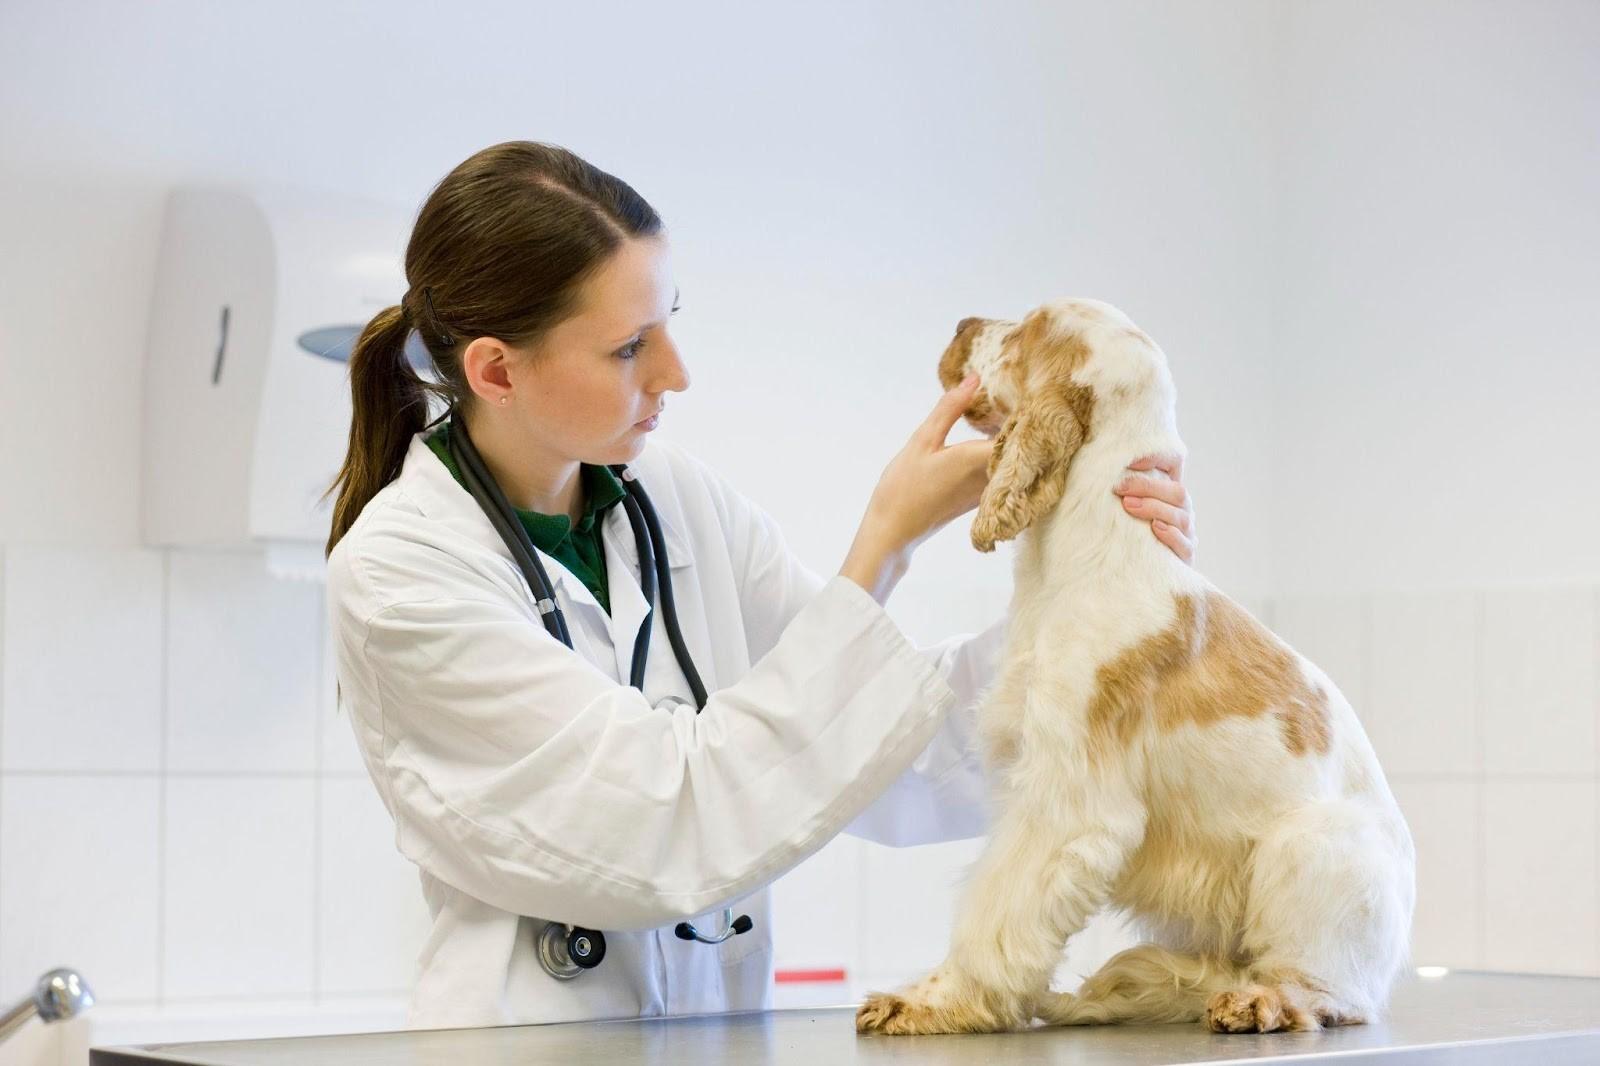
(631, 349)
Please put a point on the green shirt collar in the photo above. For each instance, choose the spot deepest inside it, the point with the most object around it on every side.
(601, 490)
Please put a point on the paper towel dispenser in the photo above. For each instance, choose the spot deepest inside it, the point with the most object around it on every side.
(259, 298)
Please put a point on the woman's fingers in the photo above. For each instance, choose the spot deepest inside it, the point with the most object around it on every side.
(1170, 463)
(1171, 492)
(1162, 502)
(936, 427)
(1182, 546)
(1154, 510)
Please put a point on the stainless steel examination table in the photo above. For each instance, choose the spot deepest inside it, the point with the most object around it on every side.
(1465, 1018)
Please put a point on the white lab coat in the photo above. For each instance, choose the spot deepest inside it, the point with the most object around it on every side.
(529, 782)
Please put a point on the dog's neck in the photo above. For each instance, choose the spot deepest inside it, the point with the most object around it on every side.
(1088, 536)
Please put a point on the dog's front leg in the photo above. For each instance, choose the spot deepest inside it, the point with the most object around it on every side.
(1046, 871)
(1000, 717)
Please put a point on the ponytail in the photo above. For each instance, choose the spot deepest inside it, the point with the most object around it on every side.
(389, 405)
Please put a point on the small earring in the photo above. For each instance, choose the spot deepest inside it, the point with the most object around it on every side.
(503, 400)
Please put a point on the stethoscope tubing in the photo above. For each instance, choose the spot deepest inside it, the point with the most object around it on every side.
(565, 951)
(483, 486)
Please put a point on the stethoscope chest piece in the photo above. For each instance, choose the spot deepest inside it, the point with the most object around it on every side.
(565, 951)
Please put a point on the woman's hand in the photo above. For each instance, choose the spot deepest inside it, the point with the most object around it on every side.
(925, 486)
(1164, 504)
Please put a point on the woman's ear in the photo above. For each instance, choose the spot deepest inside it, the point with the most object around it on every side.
(1028, 467)
(485, 364)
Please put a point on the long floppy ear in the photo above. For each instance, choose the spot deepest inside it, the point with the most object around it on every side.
(1028, 467)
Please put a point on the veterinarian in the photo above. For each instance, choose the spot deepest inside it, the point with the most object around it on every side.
(587, 848)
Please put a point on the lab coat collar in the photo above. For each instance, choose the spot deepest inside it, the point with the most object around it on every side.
(440, 496)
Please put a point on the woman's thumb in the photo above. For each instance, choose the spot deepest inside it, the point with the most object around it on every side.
(949, 408)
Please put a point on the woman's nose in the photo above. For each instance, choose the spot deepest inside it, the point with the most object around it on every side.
(671, 375)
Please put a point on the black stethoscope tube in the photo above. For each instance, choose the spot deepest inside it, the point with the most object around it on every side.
(483, 487)
(669, 606)
(647, 585)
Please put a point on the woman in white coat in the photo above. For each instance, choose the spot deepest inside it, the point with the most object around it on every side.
(528, 781)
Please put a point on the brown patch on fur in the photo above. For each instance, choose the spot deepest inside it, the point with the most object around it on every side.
(953, 369)
(1033, 450)
(1213, 662)
(1047, 349)
(953, 363)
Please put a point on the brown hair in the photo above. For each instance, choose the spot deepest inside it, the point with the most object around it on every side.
(501, 249)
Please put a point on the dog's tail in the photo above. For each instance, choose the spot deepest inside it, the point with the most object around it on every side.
(1148, 984)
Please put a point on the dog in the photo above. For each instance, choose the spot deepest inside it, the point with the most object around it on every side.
(1154, 748)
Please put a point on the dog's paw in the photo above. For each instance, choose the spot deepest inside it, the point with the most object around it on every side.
(920, 1011)
(882, 1012)
(903, 1015)
(1256, 1009)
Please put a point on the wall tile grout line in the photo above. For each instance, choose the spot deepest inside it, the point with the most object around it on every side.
(863, 891)
(1480, 625)
(1513, 777)
(3, 776)
(359, 998)
(161, 780)
(316, 806)
(1367, 653)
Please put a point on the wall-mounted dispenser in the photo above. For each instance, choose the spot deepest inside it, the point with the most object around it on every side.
(259, 297)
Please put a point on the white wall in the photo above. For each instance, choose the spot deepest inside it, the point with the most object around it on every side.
(1363, 233)
(1436, 377)
(1436, 364)
(836, 203)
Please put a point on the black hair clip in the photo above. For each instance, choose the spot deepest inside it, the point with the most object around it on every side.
(440, 334)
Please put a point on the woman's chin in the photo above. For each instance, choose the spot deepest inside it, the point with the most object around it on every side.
(626, 450)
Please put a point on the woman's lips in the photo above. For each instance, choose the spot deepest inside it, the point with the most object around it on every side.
(649, 423)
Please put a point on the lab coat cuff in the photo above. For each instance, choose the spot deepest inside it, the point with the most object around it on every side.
(927, 675)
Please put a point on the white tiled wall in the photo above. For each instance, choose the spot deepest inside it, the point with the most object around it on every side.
(239, 892)
(183, 816)
(1538, 673)
(67, 668)
(1482, 705)
(81, 861)
(242, 666)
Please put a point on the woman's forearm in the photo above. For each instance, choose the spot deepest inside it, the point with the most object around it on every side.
(876, 561)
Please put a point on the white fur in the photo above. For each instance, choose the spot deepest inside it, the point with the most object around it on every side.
(1288, 864)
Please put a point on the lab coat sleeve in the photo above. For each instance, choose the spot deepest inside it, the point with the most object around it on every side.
(522, 775)
(943, 794)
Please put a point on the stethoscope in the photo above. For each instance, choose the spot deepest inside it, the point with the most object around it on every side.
(565, 951)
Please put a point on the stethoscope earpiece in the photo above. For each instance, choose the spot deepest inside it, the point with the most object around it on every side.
(732, 928)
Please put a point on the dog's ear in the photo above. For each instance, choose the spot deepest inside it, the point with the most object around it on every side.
(1028, 467)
